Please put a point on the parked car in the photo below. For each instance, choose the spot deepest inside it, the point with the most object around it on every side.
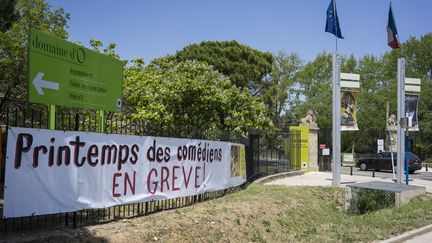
(382, 161)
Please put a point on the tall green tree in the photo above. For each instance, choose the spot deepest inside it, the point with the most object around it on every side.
(8, 14)
(13, 46)
(245, 66)
(281, 93)
(315, 90)
(371, 107)
(180, 98)
(418, 54)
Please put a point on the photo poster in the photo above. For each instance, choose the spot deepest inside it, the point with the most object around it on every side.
(238, 161)
(50, 171)
(348, 111)
(411, 110)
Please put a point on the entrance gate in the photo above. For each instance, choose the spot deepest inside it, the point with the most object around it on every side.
(268, 154)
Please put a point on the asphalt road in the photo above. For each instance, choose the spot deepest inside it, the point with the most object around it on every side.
(420, 174)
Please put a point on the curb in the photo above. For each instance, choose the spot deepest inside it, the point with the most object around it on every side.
(278, 176)
(409, 235)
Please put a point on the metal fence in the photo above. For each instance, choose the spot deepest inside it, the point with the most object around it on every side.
(270, 154)
(36, 116)
(92, 216)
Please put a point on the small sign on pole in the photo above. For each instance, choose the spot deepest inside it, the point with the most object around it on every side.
(380, 145)
(326, 152)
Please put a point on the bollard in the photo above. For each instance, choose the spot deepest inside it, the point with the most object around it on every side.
(426, 167)
(74, 223)
(351, 171)
(373, 173)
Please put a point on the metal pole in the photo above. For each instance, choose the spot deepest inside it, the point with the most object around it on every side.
(336, 121)
(52, 117)
(406, 159)
(335, 25)
(400, 115)
(101, 114)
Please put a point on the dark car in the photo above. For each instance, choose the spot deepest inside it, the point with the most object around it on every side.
(382, 161)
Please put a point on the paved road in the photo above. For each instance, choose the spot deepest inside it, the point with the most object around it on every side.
(420, 174)
(420, 178)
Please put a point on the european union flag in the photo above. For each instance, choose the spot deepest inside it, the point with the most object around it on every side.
(332, 24)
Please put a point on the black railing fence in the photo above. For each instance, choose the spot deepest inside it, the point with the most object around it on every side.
(272, 153)
(265, 154)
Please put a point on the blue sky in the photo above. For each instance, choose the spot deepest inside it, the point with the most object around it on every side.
(152, 29)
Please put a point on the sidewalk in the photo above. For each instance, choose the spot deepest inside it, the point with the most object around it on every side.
(325, 179)
(422, 235)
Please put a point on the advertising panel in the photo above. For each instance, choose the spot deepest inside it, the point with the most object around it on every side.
(411, 110)
(54, 171)
(349, 111)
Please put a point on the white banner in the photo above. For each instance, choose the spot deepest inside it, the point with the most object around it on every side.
(54, 172)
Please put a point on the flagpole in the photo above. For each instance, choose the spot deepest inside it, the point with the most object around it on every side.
(335, 23)
(336, 173)
(336, 44)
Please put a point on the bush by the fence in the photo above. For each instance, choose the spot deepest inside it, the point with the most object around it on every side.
(369, 200)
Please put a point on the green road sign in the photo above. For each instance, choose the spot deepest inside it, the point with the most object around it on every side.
(66, 74)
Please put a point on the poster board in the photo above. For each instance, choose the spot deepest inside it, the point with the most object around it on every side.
(348, 110)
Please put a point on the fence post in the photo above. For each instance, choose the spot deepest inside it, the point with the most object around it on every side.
(52, 117)
(74, 224)
(101, 121)
(2, 174)
(249, 150)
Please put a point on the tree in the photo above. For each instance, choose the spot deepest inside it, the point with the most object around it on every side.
(281, 92)
(246, 67)
(418, 54)
(13, 46)
(371, 108)
(183, 98)
(7, 14)
(315, 90)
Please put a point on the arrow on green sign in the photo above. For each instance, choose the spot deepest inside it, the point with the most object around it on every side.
(63, 73)
(38, 83)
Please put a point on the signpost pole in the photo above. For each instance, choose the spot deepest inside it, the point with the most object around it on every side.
(101, 121)
(1, 153)
(400, 115)
(51, 117)
(336, 121)
(406, 158)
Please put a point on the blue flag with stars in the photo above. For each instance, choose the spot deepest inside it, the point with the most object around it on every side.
(332, 24)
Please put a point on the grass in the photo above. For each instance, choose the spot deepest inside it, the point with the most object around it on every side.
(270, 214)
